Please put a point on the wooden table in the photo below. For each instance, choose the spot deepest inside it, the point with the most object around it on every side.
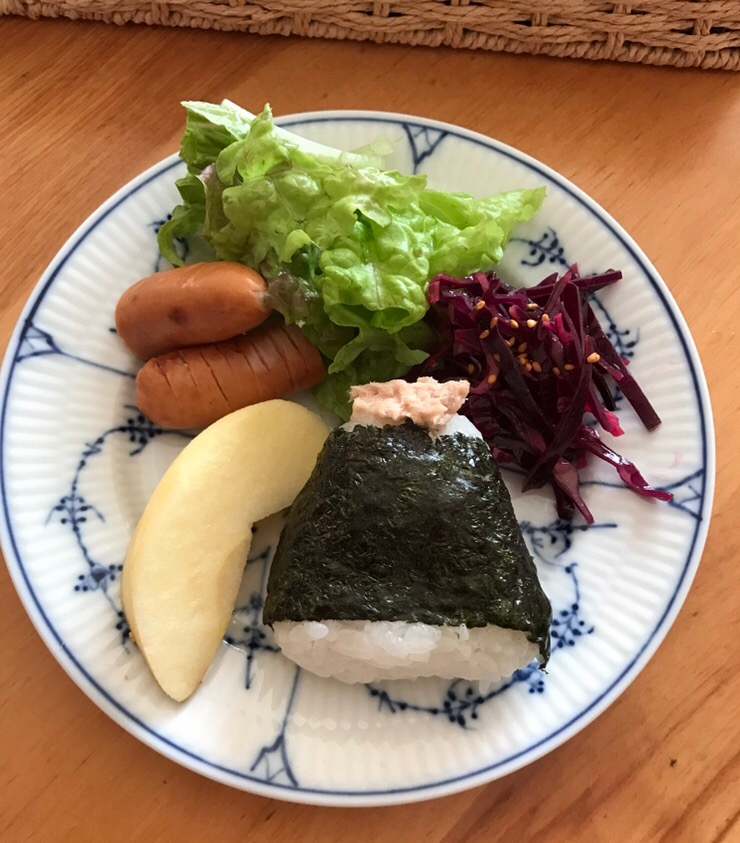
(85, 107)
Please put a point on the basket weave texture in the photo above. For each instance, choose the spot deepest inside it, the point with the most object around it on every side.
(684, 33)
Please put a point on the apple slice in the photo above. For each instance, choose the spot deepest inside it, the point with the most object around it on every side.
(186, 558)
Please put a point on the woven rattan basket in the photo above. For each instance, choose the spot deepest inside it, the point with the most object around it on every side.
(685, 33)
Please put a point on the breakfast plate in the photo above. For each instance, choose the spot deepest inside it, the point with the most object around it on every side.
(78, 463)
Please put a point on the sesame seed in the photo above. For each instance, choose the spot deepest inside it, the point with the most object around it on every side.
(532, 306)
(594, 357)
(492, 379)
(536, 366)
(480, 305)
(545, 317)
(556, 371)
(514, 324)
(522, 348)
(528, 367)
(523, 360)
(569, 367)
(485, 334)
(531, 323)
(510, 342)
(494, 321)
(471, 368)
(497, 357)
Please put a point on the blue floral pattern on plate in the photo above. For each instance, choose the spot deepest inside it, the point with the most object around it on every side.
(458, 705)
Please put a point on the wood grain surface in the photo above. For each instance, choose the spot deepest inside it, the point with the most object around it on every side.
(85, 107)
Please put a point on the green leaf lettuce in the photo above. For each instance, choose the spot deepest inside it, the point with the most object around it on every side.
(347, 248)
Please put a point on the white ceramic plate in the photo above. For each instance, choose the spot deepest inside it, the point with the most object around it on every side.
(78, 463)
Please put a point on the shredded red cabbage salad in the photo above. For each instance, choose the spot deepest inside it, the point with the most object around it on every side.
(538, 362)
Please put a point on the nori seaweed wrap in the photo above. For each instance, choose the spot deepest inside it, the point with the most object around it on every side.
(400, 527)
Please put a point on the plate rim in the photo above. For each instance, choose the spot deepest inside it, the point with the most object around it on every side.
(190, 760)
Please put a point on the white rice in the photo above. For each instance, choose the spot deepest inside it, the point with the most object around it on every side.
(365, 651)
(457, 424)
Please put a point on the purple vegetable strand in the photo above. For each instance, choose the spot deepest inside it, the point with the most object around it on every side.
(538, 361)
